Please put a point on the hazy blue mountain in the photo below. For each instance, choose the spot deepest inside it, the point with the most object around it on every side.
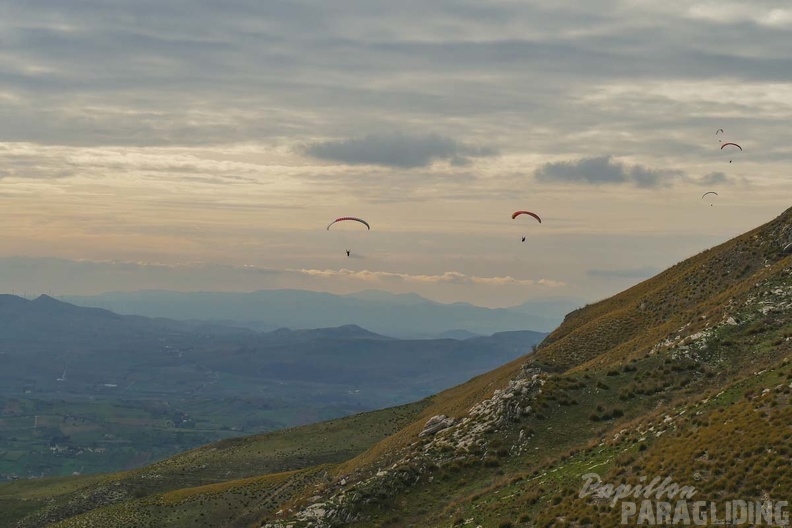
(459, 335)
(143, 388)
(403, 315)
(40, 337)
(45, 333)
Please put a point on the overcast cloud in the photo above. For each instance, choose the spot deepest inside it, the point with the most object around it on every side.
(232, 132)
(397, 150)
(604, 170)
(148, 73)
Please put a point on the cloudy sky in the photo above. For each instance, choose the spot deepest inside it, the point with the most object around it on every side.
(206, 145)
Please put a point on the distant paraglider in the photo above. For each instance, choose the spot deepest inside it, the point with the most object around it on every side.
(707, 193)
(351, 218)
(529, 213)
(733, 145)
(343, 218)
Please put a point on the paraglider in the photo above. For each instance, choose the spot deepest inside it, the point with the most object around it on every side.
(732, 144)
(708, 192)
(719, 131)
(529, 213)
(351, 218)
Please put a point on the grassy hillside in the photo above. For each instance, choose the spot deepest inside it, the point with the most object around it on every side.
(283, 452)
(686, 375)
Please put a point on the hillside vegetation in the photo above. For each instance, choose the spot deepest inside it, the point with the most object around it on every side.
(686, 375)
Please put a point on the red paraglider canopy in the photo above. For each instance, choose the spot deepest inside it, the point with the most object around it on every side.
(518, 213)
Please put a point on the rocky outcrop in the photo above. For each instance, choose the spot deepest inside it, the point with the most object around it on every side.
(435, 424)
(442, 440)
(507, 404)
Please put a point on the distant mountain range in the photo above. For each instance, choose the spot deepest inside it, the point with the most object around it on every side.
(142, 388)
(39, 338)
(395, 315)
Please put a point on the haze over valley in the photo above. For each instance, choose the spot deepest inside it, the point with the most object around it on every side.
(403, 315)
(87, 390)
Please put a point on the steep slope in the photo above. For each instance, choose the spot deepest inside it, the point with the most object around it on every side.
(692, 292)
(685, 375)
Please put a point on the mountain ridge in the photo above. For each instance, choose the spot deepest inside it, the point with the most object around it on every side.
(394, 315)
(140, 388)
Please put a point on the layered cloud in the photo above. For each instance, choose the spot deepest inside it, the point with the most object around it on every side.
(449, 277)
(112, 73)
(715, 178)
(397, 150)
(604, 170)
(233, 131)
(33, 276)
